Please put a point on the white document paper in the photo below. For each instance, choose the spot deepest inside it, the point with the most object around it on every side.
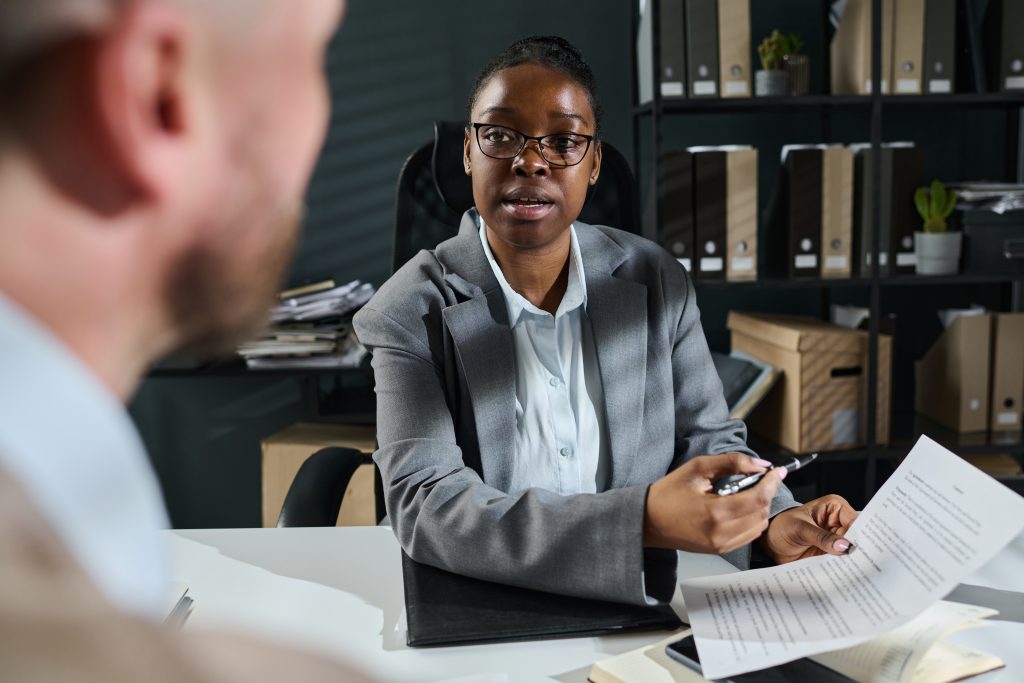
(895, 656)
(935, 521)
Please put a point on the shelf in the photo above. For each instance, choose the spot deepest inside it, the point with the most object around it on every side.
(887, 281)
(908, 427)
(758, 104)
(236, 368)
(819, 102)
(985, 100)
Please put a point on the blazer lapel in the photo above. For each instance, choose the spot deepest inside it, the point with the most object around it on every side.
(483, 344)
(617, 309)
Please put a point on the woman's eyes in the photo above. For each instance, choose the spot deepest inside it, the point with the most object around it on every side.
(497, 136)
(563, 142)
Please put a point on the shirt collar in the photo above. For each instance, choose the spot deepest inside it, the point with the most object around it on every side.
(71, 445)
(575, 292)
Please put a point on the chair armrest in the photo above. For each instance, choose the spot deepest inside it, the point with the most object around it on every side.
(315, 495)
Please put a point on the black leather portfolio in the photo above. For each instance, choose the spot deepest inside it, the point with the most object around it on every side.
(449, 609)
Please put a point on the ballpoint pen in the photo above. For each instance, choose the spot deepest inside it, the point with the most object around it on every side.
(734, 483)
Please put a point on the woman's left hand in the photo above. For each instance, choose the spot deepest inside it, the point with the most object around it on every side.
(814, 528)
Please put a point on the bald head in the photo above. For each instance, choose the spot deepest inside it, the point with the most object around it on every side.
(155, 153)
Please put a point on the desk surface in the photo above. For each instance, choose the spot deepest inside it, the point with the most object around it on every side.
(339, 591)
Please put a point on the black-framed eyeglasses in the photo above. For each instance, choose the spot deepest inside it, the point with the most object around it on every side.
(558, 149)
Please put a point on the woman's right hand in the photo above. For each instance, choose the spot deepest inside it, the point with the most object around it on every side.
(683, 513)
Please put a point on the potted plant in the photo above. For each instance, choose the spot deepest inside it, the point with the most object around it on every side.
(937, 249)
(771, 79)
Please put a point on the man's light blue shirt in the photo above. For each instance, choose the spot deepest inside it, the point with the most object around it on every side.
(68, 441)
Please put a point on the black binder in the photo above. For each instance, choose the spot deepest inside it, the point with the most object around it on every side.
(905, 176)
(710, 181)
(673, 49)
(702, 47)
(677, 207)
(1004, 25)
(449, 609)
(794, 221)
(939, 46)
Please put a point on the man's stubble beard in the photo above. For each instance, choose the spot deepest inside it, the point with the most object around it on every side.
(221, 292)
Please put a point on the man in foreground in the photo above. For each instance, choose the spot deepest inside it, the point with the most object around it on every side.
(153, 156)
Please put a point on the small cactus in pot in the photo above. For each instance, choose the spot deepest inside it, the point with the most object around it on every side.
(936, 249)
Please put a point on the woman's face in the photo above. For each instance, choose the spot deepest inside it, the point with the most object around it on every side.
(526, 201)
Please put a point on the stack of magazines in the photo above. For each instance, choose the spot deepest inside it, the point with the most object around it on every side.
(995, 197)
(312, 328)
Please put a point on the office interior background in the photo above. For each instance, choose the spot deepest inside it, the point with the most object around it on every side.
(398, 66)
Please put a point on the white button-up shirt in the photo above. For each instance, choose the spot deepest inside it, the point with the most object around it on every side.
(70, 444)
(561, 438)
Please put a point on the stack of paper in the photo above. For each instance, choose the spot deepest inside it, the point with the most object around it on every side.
(312, 329)
(874, 614)
(935, 521)
(331, 303)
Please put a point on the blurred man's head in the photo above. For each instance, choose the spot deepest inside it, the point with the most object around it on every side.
(153, 157)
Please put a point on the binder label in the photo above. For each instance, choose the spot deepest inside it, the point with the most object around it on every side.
(704, 88)
(672, 89)
(687, 263)
(736, 88)
(908, 85)
(1006, 418)
(1015, 83)
(806, 261)
(940, 85)
(711, 264)
(743, 263)
(883, 259)
(906, 259)
(837, 262)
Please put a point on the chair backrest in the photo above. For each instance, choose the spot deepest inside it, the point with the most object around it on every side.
(434, 191)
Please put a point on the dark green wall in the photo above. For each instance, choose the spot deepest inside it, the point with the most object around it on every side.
(394, 68)
(398, 65)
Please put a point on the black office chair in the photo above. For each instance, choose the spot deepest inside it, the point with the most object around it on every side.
(315, 496)
(434, 191)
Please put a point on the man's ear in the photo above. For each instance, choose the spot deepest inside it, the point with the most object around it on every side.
(466, 142)
(139, 94)
(595, 170)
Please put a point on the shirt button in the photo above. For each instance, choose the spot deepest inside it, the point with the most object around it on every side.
(554, 381)
(566, 451)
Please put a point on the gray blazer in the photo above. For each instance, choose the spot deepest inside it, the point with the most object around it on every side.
(443, 360)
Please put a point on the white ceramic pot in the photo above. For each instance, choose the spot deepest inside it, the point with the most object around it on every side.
(938, 253)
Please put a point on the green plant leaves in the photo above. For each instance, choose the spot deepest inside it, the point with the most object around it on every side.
(921, 202)
(935, 204)
(776, 46)
(950, 203)
(938, 202)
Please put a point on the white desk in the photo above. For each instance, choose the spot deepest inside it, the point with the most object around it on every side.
(339, 591)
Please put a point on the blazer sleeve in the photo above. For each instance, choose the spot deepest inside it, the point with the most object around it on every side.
(703, 425)
(445, 515)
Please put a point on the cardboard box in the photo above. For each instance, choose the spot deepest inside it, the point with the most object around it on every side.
(285, 451)
(952, 380)
(821, 400)
(1007, 372)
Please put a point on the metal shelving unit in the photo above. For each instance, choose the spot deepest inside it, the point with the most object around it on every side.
(653, 115)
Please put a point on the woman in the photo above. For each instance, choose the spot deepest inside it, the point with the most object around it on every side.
(544, 386)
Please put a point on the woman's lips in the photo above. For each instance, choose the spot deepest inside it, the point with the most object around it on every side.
(528, 208)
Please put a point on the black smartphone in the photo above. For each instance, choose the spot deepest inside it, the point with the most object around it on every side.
(684, 651)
